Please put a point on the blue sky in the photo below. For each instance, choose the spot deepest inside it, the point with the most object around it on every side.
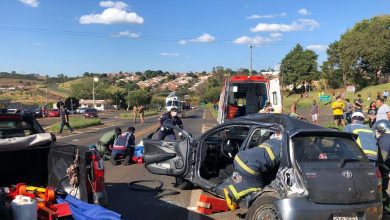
(77, 36)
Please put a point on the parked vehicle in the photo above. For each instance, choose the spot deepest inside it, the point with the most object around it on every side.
(172, 101)
(91, 113)
(54, 113)
(80, 110)
(244, 95)
(31, 156)
(13, 111)
(343, 184)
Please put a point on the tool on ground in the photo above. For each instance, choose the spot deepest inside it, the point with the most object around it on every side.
(134, 185)
(209, 205)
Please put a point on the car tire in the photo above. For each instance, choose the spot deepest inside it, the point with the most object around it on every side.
(263, 208)
(183, 184)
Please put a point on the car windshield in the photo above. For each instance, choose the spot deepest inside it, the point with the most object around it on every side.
(13, 127)
(325, 148)
(172, 103)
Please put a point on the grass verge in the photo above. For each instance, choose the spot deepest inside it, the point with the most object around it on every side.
(78, 123)
(214, 112)
(129, 115)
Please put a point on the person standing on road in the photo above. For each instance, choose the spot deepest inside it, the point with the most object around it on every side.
(382, 131)
(293, 109)
(358, 103)
(385, 95)
(348, 110)
(366, 136)
(135, 112)
(64, 118)
(315, 112)
(372, 114)
(382, 110)
(141, 111)
(337, 108)
(169, 119)
(104, 145)
(123, 146)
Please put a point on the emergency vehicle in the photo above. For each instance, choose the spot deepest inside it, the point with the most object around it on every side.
(172, 101)
(244, 95)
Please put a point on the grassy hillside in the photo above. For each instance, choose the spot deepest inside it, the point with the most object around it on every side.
(306, 102)
(66, 86)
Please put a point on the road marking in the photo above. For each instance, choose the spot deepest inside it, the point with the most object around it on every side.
(204, 114)
(48, 127)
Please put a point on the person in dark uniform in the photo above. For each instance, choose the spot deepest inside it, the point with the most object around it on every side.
(252, 166)
(169, 118)
(382, 131)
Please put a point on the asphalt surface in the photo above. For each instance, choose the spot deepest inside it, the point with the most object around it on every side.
(139, 204)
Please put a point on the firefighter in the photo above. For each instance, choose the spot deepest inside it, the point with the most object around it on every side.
(106, 142)
(169, 118)
(382, 131)
(251, 169)
(366, 136)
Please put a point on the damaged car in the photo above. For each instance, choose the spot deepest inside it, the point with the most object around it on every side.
(323, 174)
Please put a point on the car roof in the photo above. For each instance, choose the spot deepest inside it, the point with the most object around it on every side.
(287, 122)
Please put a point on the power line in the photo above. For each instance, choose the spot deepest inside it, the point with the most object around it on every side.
(146, 38)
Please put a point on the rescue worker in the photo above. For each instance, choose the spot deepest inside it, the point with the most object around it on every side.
(252, 166)
(123, 146)
(366, 136)
(169, 118)
(106, 142)
(382, 131)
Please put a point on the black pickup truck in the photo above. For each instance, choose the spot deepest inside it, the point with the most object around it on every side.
(29, 155)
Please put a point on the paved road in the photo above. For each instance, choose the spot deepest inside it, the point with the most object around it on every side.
(134, 204)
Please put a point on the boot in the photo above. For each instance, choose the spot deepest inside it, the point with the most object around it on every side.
(127, 161)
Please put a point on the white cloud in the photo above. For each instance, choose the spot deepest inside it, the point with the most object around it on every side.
(276, 35)
(303, 11)
(317, 47)
(38, 44)
(126, 34)
(204, 38)
(31, 3)
(170, 54)
(300, 24)
(111, 4)
(255, 16)
(183, 42)
(115, 13)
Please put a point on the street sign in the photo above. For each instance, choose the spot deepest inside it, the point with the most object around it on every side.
(324, 98)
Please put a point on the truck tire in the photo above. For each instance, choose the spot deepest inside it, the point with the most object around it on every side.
(263, 209)
(183, 184)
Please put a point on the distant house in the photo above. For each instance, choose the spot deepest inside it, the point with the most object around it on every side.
(100, 105)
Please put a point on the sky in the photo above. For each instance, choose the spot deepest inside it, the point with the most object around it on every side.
(77, 36)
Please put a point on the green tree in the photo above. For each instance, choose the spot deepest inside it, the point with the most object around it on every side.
(212, 94)
(299, 66)
(331, 70)
(365, 51)
(139, 97)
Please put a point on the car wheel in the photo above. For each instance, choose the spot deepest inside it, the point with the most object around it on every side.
(183, 184)
(263, 209)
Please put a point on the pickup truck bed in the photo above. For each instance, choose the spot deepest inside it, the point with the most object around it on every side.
(29, 155)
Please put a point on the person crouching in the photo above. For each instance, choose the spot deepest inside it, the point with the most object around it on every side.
(123, 146)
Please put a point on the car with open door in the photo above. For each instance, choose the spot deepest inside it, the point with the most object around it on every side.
(323, 174)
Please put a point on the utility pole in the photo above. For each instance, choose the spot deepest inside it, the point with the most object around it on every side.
(95, 79)
(46, 97)
(251, 47)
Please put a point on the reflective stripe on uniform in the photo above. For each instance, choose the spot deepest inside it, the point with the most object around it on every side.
(238, 195)
(245, 167)
(269, 151)
(357, 131)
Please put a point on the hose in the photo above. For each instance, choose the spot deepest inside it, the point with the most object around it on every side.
(159, 188)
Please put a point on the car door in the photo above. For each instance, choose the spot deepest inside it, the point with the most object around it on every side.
(168, 157)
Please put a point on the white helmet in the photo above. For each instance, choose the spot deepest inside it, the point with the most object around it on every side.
(357, 115)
